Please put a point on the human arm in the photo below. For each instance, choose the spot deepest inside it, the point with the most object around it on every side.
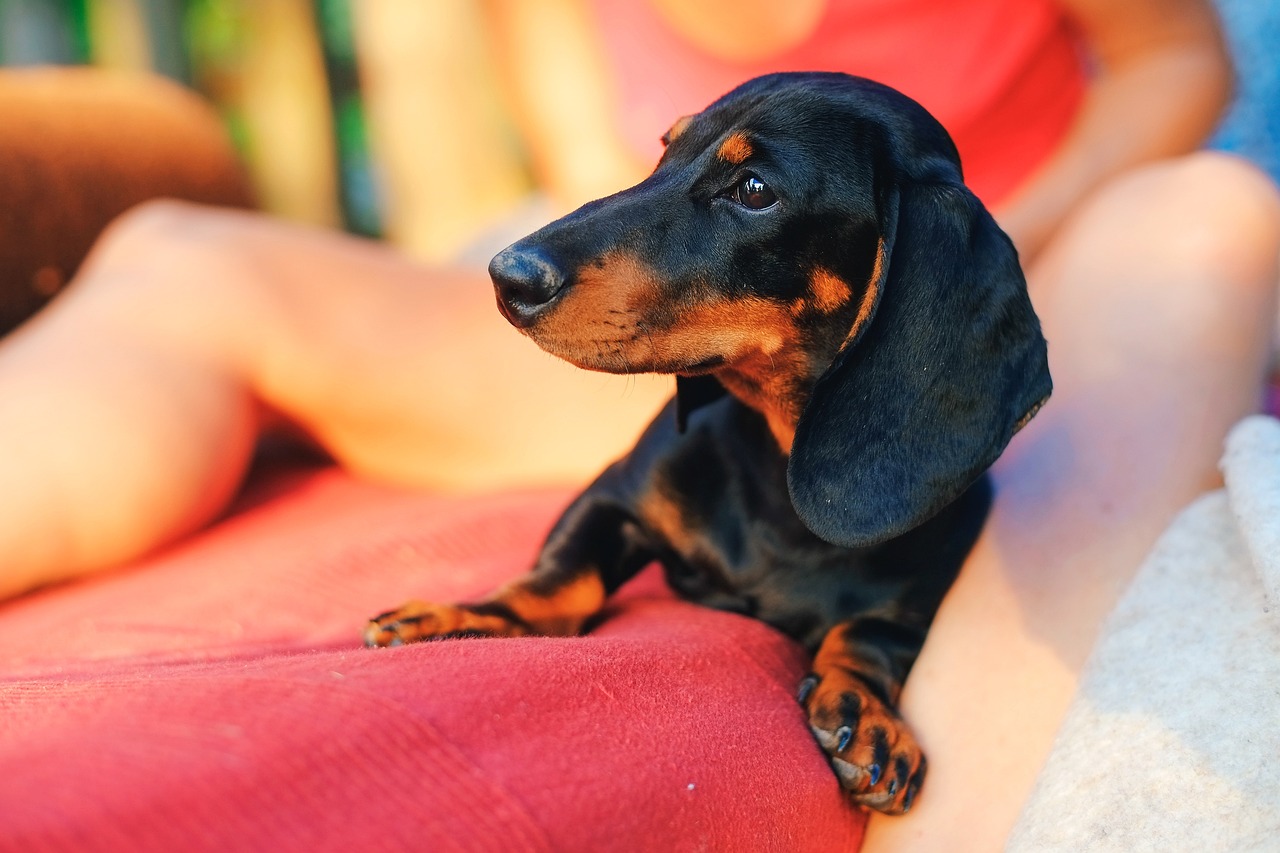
(1161, 80)
(556, 78)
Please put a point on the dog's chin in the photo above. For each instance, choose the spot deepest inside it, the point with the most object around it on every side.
(704, 367)
(607, 357)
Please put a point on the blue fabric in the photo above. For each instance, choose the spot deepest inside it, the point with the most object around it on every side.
(1252, 126)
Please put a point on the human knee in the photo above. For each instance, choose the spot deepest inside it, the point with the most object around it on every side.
(161, 237)
(149, 225)
(1240, 212)
(1210, 216)
(1181, 251)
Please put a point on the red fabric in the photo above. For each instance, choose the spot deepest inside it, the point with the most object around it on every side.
(1005, 77)
(216, 697)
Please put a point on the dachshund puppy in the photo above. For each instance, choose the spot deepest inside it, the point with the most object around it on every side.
(853, 347)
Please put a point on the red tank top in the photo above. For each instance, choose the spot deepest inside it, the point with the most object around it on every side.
(1005, 77)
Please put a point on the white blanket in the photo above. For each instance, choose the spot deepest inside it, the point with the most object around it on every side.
(1173, 740)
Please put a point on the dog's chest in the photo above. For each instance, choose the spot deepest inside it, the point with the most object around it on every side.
(717, 504)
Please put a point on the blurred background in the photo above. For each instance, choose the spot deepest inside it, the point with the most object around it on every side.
(364, 115)
(386, 117)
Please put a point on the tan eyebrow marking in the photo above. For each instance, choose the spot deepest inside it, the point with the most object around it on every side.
(735, 149)
(681, 125)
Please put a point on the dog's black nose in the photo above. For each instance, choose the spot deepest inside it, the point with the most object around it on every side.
(524, 280)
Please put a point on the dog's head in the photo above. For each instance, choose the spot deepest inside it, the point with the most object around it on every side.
(808, 242)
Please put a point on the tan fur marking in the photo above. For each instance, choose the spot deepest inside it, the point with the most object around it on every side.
(420, 620)
(773, 386)
(766, 366)
(837, 666)
(829, 290)
(681, 125)
(661, 514)
(735, 149)
(1031, 413)
(869, 297)
(595, 324)
(561, 614)
(605, 322)
(878, 269)
(733, 329)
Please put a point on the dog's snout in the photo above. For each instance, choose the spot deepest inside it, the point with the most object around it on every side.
(524, 280)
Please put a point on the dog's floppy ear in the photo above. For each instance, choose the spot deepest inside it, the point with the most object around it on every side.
(927, 393)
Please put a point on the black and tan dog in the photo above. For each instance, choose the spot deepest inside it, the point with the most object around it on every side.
(853, 345)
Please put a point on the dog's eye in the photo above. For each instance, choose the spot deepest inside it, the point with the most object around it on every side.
(753, 193)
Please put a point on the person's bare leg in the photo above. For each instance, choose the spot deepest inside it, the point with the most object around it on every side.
(132, 405)
(117, 437)
(1157, 302)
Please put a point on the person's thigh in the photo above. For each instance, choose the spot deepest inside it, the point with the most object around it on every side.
(409, 374)
(404, 372)
(1157, 301)
(145, 385)
(127, 426)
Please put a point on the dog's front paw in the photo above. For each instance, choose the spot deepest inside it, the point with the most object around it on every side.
(870, 747)
(419, 620)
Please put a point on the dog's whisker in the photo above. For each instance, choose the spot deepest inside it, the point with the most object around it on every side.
(622, 356)
(642, 328)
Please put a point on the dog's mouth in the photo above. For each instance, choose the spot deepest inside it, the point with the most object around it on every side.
(503, 309)
(618, 346)
(704, 367)
(595, 329)
(625, 356)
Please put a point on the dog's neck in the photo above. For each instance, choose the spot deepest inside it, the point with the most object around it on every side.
(777, 381)
(777, 386)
